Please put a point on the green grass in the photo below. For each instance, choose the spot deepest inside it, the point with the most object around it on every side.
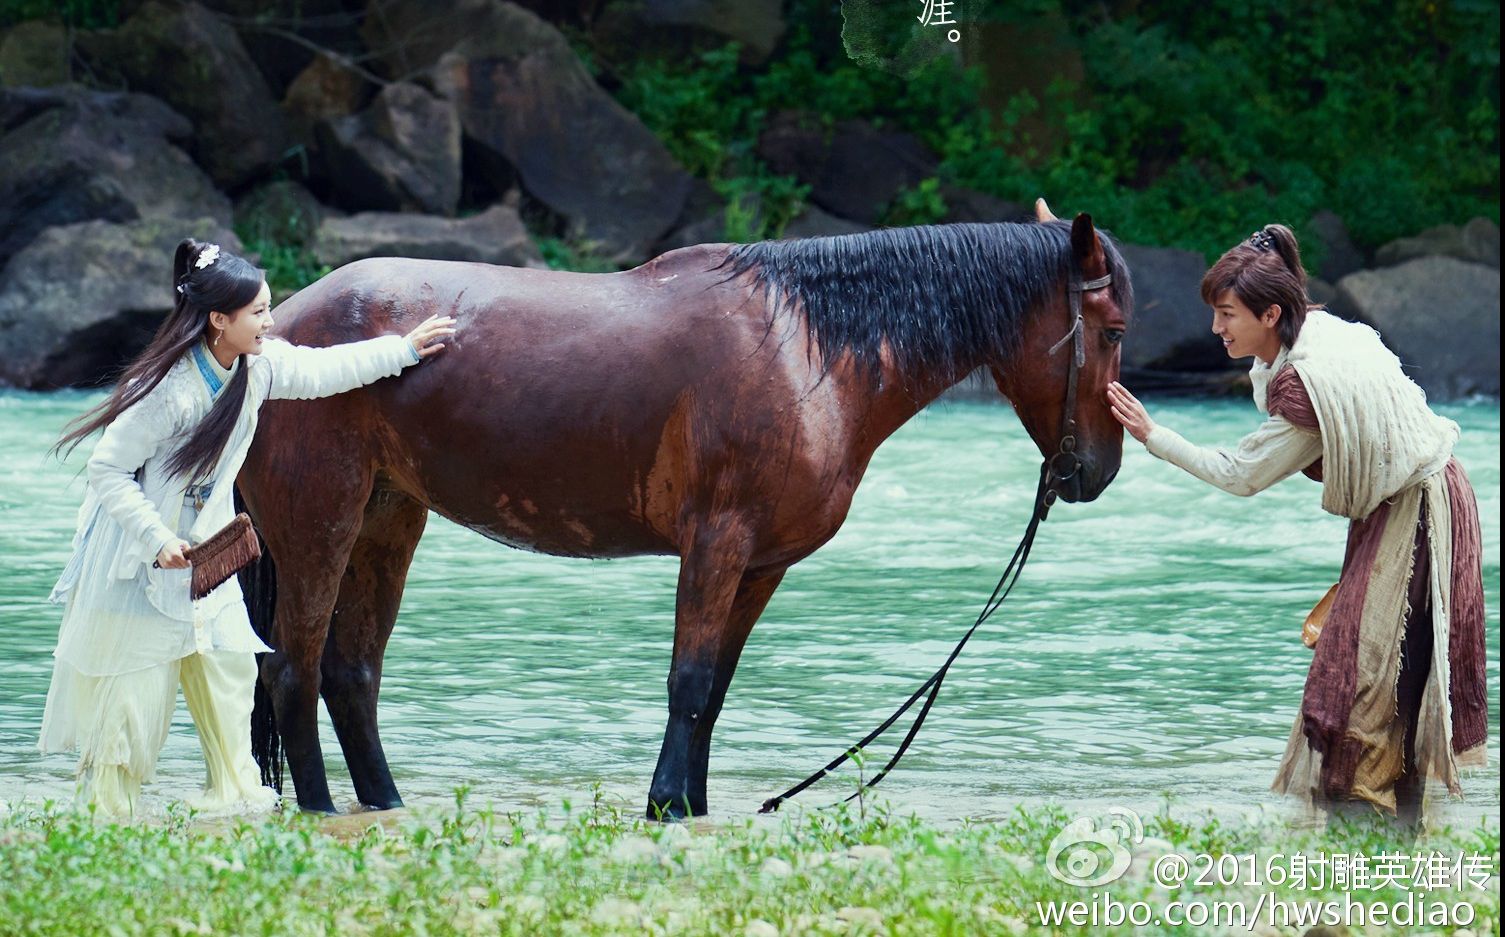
(289, 267)
(598, 869)
(562, 254)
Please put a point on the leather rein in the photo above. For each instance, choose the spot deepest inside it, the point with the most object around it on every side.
(1060, 466)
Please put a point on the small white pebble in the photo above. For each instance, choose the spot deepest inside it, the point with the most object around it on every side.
(760, 928)
(880, 854)
(634, 849)
(616, 911)
(777, 867)
(860, 916)
(675, 834)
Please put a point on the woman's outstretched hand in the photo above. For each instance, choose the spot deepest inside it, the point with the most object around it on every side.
(1129, 411)
(433, 327)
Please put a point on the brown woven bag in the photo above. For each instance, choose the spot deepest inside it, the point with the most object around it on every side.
(222, 555)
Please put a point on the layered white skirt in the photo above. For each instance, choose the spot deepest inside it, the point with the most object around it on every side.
(119, 723)
(115, 679)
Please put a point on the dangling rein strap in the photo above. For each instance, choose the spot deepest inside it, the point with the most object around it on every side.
(1060, 466)
(933, 685)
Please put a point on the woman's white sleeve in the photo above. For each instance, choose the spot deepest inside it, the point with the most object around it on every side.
(1277, 450)
(139, 433)
(302, 373)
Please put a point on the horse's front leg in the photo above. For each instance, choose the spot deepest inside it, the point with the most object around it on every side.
(310, 529)
(710, 575)
(752, 597)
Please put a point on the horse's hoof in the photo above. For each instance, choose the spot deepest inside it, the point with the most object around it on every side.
(325, 809)
(669, 809)
(394, 803)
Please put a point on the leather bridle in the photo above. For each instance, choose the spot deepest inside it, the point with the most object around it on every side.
(1064, 463)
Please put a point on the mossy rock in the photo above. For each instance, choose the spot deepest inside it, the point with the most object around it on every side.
(34, 54)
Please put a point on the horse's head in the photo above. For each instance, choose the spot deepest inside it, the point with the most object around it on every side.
(1059, 375)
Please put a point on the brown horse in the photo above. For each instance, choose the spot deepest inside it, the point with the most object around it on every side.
(719, 403)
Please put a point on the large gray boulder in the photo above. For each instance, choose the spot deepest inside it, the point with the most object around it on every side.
(709, 218)
(528, 106)
(82, 299)
(284, 36)
(1171, 329)
(811, 222)
(69, 155)
(400, 154)
(192, 59)
(1440, 315)
(1476, 242)
(682, 27)
(328, 88)
(496, 236)
(970, 205)
(1337, 255)
(854, 172)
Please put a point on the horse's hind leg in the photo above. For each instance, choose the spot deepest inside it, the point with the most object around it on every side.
(310, 518)
(363, 619)
(714, 612)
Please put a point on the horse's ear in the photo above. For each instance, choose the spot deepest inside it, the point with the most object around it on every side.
(1084, 242)
(1043, 212)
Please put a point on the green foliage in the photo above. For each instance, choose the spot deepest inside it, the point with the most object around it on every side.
(759, 202)
(289, 267)
(1193, 123)
(922, 204)
(83, 14)
(562, 254)
(598, 868)
(1222, 116)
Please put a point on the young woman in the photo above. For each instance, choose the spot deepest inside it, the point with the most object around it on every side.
(1396, 692)
(176, 430)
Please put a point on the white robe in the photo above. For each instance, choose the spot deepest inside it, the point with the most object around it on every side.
(123, 614)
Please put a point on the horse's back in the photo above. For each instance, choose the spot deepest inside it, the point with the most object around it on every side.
(376, 295)
(576, 394)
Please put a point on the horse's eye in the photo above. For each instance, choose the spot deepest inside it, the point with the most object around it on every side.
(1114, 336)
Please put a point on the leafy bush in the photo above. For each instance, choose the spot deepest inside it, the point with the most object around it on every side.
(84, 14)
(1194, 122)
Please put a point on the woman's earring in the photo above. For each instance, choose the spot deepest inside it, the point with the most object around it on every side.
(217, 335)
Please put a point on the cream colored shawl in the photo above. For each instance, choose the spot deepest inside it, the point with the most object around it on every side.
(1379, 437)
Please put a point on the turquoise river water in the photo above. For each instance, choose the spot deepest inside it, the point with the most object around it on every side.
(1152, 648)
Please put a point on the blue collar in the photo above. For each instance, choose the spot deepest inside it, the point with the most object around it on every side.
(213, 380)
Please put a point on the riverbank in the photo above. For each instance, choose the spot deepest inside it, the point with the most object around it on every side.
(598, 869)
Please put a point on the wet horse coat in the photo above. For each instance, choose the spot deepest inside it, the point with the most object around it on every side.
(719, 403)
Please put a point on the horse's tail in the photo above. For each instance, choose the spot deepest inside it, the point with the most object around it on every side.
(258, 583)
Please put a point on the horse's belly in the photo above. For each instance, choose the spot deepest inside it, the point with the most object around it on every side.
(526, 525)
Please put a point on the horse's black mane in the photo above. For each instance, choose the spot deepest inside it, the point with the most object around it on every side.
(939, 295)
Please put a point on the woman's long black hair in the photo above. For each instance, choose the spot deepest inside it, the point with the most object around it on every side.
(227, 284)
